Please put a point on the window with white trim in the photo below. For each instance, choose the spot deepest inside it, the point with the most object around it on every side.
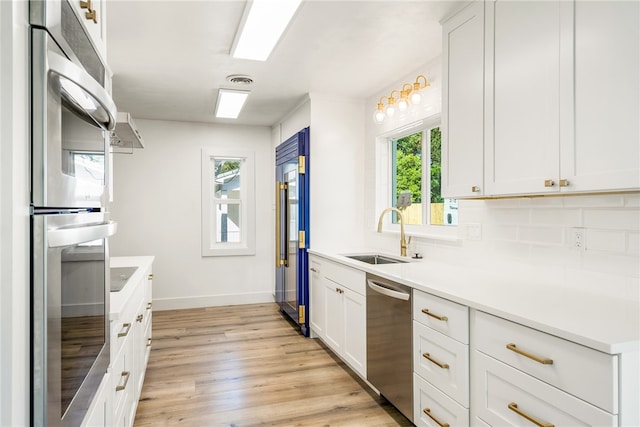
(228, 203)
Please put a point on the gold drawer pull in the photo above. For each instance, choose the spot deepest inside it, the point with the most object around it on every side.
(544, 361)
(139, 318)
(149, 305)
(434, 361)
(150, 277)
(313, 269)
(125, 375)
(435, 316)
(514, 407)
(433, 417)
(124, 333)
(149, 342)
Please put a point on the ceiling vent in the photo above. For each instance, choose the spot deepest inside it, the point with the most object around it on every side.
(239, 79)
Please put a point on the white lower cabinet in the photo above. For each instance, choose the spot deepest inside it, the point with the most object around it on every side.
(338, 310)
(117, 400)
(521, 376)
(440, 361)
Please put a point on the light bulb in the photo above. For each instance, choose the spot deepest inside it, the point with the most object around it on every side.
(403, 104)
(391, 110)
(416, 98)
(378, 116)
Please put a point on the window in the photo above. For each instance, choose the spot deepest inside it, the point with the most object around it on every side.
(410, 161)
(228, 203)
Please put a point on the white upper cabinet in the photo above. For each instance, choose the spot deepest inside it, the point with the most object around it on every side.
(560, 111)
(605, 151)
(521, 100)
(462, 103)
(93, 15)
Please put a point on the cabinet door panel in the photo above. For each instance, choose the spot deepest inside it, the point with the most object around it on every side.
(334, 327)
(522, 96)
(498, 385)
(316, 301)
(355, 330)
(462, 103)
(605, 154)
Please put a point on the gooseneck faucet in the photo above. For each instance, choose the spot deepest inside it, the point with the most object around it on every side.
(403, 242)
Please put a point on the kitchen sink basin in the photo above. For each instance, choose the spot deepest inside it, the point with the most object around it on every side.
(376, 259)
(120, 276)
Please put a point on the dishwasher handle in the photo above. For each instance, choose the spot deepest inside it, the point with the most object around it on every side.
(380, 288)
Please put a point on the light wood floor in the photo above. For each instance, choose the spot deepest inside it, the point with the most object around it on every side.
(246, 365)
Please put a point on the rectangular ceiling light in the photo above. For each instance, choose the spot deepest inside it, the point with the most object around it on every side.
(263, 23)
(230, 103)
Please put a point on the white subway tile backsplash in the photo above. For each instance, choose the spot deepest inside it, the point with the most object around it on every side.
(606, 240)
(618, 219)
(507, 216)
(614, 264)
(632, 200)
(633, 244)
(557, 216)
(594, 201)
(541, 235)
(499, 232)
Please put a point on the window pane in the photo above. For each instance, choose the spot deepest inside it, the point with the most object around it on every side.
(228, 223)
(407, 173)
(227, 179)
(443, 211)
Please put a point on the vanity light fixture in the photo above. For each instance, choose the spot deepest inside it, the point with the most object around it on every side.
(262, 25)
(407, 96)
(230, 103)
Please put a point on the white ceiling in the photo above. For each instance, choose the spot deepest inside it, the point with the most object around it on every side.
(170, 57)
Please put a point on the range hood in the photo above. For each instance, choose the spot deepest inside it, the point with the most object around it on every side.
(126, 134)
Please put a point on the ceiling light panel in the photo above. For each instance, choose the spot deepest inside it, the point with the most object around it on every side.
(262, 27)
(230, 103)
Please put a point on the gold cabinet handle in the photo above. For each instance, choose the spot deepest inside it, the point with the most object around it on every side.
(150, 277)
(91, 13)
(475, 189)
(434, 361)
(435, 316)
(149, 342)
(313, 269)
(544, 361)
(549, 183)
(125, 375)
(564, 183)
(514, 407)
(125, 330)
(340, 291)
(140, 317)
(149, 304)
(427, 411)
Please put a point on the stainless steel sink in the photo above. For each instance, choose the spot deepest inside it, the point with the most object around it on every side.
(120, 276)
(376, 259)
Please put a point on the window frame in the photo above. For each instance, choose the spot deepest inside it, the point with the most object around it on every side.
(247, 243)
(384, 183)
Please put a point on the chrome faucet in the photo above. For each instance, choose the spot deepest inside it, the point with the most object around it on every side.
(403, 242)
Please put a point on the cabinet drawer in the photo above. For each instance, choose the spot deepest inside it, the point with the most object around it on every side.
(445, 316)
(505, 396)
(122, 376)
(345, 276)
(586, 373)
(427, 398)
(442, 361)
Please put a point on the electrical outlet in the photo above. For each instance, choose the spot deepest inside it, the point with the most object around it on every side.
(578, 238)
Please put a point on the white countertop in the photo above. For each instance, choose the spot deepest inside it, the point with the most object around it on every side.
(611, 325)
(119, 299)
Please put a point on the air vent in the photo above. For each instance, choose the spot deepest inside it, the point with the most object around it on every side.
(239, 79)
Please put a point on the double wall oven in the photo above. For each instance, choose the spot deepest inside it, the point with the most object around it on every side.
(71, 117)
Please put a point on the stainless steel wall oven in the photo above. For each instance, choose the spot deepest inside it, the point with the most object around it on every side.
(71, 116)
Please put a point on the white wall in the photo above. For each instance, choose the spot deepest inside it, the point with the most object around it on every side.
(158, 210)
(14, 215)
(522, 235)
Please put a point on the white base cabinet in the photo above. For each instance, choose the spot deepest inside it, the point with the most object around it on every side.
(338, 314)
(130, 320)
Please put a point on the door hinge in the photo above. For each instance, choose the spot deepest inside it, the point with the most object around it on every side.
(302, 241)
(301, 314)
(301, 165)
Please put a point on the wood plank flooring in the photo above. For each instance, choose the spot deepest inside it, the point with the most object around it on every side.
(246, 366)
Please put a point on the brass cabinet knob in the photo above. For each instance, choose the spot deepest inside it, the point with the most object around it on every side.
(475, 189)
(549, 183)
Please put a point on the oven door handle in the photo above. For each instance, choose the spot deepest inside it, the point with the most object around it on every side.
(83, 92)
(61, 237)
(388, 292)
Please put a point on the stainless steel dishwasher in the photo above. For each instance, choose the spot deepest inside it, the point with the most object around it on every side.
(389, 342)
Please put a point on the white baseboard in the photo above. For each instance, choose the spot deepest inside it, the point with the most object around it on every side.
(211, 301)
